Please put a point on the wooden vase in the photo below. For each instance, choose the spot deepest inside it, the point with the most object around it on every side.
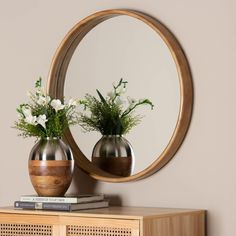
(51, 166)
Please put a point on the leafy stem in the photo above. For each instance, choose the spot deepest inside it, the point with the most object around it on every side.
(134, 105)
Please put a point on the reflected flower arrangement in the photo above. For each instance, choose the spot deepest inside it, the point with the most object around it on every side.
(113, 114)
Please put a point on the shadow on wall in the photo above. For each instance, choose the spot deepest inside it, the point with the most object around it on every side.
(84, 184)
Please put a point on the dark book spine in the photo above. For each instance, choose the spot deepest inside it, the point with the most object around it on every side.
(43, 206)
(25, 205)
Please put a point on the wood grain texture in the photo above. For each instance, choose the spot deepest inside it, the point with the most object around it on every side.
(57, 74)
(150, 222)
(189, 224)
(50, 178)
(119, 166)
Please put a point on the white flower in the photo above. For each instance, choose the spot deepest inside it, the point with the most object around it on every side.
(120, 101)
(26, 111)
(48, 99)
(131, 101)
(31, 120)
(111, 95)
(28, 116)
(57, 105)
(42, 119)
(73, 102)
(121, 90)
(42, 100)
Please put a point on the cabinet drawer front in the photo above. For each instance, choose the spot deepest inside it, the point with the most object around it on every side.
(26, 225)
(101, 227)
(25, 230)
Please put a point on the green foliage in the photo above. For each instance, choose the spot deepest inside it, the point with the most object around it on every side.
(45, 117)
(108, 115)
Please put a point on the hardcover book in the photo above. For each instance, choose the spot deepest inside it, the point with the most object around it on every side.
(65, 199)
(60, 206)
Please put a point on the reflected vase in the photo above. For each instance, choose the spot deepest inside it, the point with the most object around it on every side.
(51, 166)
(114, 154)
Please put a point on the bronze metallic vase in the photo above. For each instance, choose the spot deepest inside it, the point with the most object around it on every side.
(114, 154)
(51, 166)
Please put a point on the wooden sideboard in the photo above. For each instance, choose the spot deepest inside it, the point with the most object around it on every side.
(112, 221)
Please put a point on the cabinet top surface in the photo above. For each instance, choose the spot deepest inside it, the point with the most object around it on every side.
(110, 212)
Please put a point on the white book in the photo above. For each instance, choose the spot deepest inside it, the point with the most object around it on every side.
(65, 199)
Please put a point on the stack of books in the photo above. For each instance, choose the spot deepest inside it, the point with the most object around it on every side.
(66, 203)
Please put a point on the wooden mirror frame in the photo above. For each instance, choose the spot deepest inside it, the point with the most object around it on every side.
(57, 75)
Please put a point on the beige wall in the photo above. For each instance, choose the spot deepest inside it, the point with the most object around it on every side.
(202, 174)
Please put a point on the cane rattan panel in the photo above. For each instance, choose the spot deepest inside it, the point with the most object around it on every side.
(25, 230)
(73, 230)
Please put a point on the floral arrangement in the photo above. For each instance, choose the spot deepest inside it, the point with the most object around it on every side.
(45, 117)
(111, 115)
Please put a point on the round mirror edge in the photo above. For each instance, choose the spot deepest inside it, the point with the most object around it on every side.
(56, 81)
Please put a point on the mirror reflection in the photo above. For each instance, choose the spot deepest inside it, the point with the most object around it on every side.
(125, 47)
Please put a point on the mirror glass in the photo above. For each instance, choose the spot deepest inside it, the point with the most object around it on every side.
(125, 47)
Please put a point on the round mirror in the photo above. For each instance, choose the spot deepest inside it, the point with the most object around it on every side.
(139, 49)
(120, 48)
